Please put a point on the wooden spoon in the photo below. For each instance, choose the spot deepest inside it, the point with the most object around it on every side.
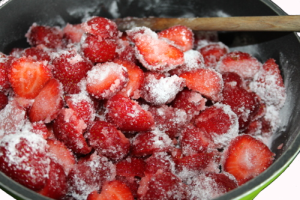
(256, 23)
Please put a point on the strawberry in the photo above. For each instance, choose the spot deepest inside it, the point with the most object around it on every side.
(154, 53)
(233, 79)
(207, 82)
(268, 84)
(61, 154)
(132, 182)
(181, 36)
(239, 62)
(101, 27)
(131, 167)
(68, 128)
(3, 100)
(51, 37)
(4, 66)
(107, 79)
(107, 140)
(212, 53)
(125, 51)
(254, 128)
(160, 161)
(38, 53)
(47, 103)
(112, 190)
(56, 185)
(128, 115)
(40, 128)
(72, 33)
(98, 50)
(70, 68)
(246, 157)
(136, 79)
(28, 77)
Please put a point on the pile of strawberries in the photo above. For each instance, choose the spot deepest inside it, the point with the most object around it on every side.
(89, 112)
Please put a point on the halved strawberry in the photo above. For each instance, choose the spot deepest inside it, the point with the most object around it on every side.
(154, 53)
(207, 82)
(47, 103)
(239, 62)
(68, 128)
(128, 115)
(28, 77)
(181, 36)
(107, 140)
(131, 167)
(125, 51)
(38, 53)
(105, 80)
(132, 182)
(212, 53)
(247, 157)
(72, 33)
(113, 190)
(159, 161)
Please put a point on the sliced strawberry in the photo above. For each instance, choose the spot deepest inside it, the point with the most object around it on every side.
(89, 175)
(56, 185)
(212, 53)
(239, 62)
(125, 51)
(3, 100)
(268, 84)
(128, 115)
(28, 77)
(154, 53)
(40, 128)
(102, 27)
(161, 90)
(132, 182)
(146, 143)
(247, 157)
(70, 68)
(37, 53)
(131, 167)
(68, 128)
(23, 158)
(51, 37)
(72, 33)
(136, 79)
(98, 50)
(107, 79)
(107, 140)
(160, 161)
(47, 103)
(233, 79)
(112, 190)
(61, 154)
(207, 82)
(181, 36)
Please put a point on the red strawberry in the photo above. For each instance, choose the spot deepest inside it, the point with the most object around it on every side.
(154, 53)
(181, 36)
(51, 37)
(47, 103)
(254, 128)
(107, 79)
(233, 79)
(61, 154)
(268, 84)
(106, 139)
(207, 82)
(40, 128)
(136, 79)
(28, 77)
(132, 182)
(23, 158)
(247, 157)
(102, 27)
(3, 100)
(212, 53)
(125, 51)
(38, 53)
(99, 50)
(56, 185)
(131, 167)
(73, 33)
(128, 115)
(160, 161)
(239, 62)
(4, 65)
(112, 190)
(70, 68)
(68, 128)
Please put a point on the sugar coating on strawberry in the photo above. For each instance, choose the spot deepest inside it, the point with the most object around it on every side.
(220, 122)
(268, 84)
(154, 53)
(162, 90)
(23, 157)
(73, 33)
(131, 167)
(106, 80)
(39, 53)
(180, 36)
(159, 161)
(270, 122)
(125, 51)
(212, 53)
(4, 65)
(239, 62)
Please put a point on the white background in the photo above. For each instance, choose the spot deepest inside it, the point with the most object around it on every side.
(286, 186)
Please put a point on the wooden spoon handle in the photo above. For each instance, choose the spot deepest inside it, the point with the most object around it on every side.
(257, 23)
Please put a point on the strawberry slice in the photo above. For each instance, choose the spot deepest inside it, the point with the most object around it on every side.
(112, 190)
(72, 33)
(131, 167)
(107, 140)
(128, 115)
(47, 103)
(207, 82)
(239, 62)
(132, 182)
(28, 77)
(154, 53)
(212, 53)
(247, 157)
(181, 36)
(107, 79)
